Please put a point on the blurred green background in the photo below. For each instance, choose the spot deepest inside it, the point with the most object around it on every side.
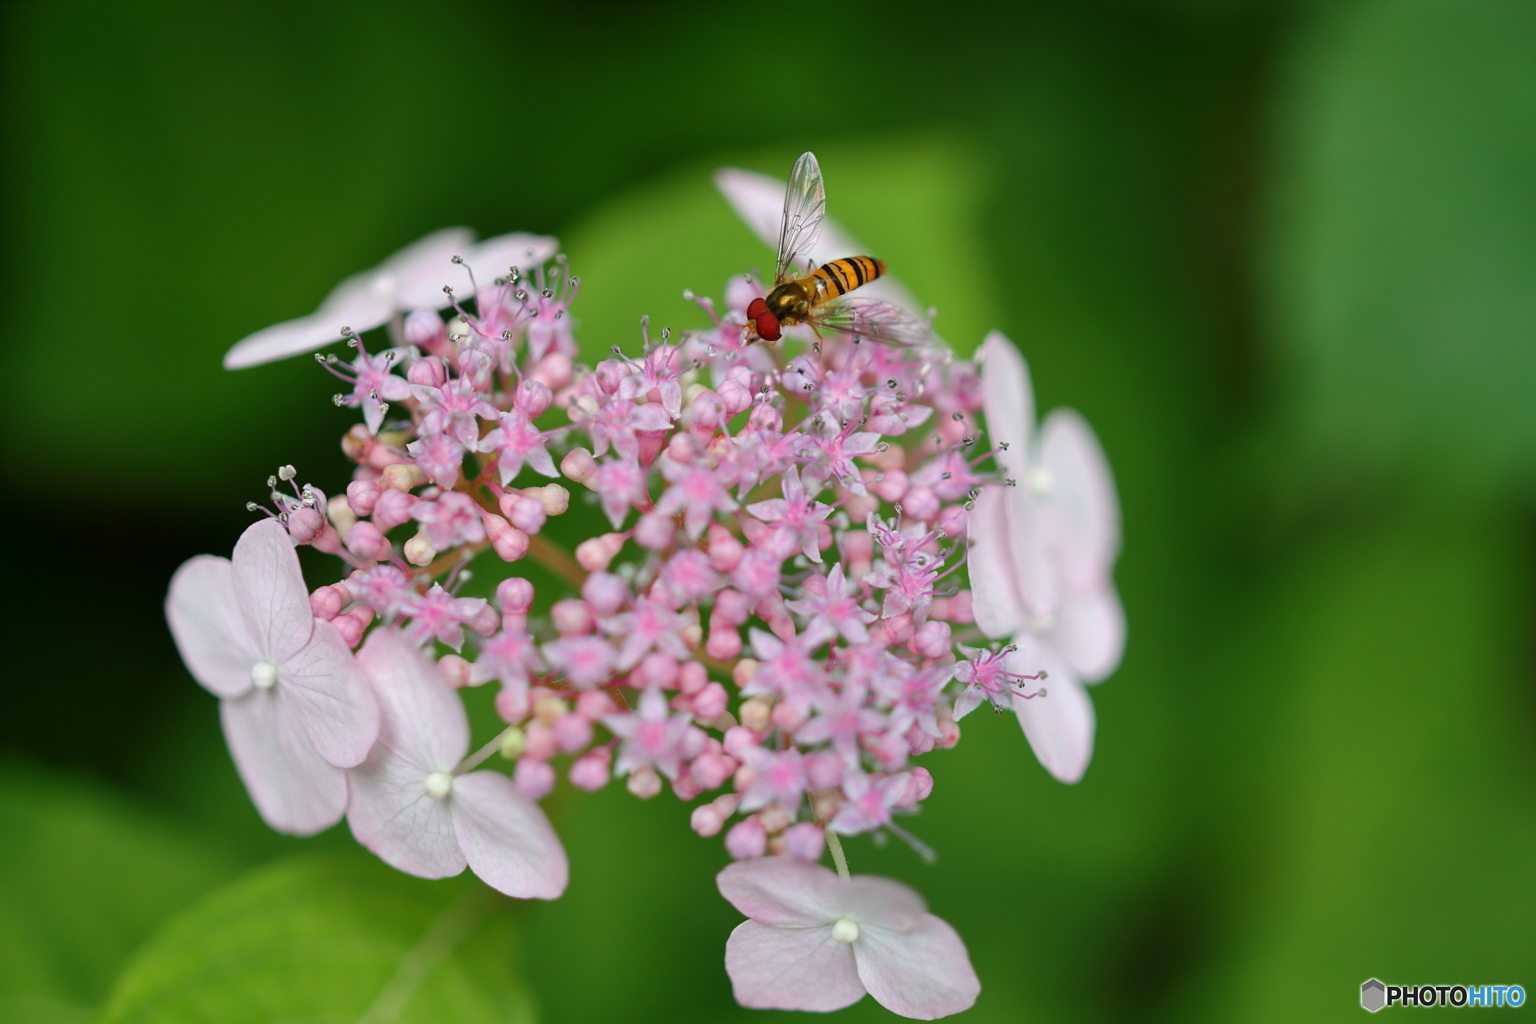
(1282, 255)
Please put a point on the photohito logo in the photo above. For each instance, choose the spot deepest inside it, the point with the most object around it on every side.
(1374, 995)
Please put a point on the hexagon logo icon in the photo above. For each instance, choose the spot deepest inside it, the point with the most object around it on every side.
(1373, 995)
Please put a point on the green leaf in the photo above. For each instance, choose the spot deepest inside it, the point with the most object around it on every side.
(1403, 285)
(332, 936)
(85, 877)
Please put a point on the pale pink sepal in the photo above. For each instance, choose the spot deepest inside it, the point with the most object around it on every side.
(294, 789)
(1060, 725)
(1085, 513)
(208, 626)
(482, 822)
(994, 594)
(787, 958)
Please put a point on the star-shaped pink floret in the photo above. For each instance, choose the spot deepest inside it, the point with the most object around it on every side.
(439, 615)
(780, 779)
(818, 942)
(453, 409)
(832, 603)
(412, 804)
(586, 661)
(837, 447)
(658, 371)
(518, 441)
(867, 801)
(449, 519)
(650, 626)
(652, 738)
(698, 491)
(797, 512)
(294, 707)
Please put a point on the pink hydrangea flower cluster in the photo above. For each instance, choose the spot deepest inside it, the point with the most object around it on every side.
(776, 627)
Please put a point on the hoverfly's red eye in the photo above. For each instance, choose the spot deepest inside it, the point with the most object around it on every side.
(767, 326)
(756, 308)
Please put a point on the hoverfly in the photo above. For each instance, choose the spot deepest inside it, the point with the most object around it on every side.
(813, 299)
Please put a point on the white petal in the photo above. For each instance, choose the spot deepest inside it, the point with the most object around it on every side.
(1089, 631)
(882, 901)
(493, 257)
(391, 814)
(506, 838)
(210, 630)
(791, 968)
(413, 278)
(922, 972)
(331, 697)
(295, 789)
(1059, 726)
(352, 303)
(420, 718)
(270, 588)
(1008, 401)
(780, 891)
(995, 600)
(1084, 511)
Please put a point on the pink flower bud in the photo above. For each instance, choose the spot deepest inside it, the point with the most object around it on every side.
(454, 670)
(891, 484)
(745, 778)
(955, 609)
(643, 783)
(590, 772)
(572, 617)
(788, 715)
(724, 643)
(325, 603)
(709, 703)
(554, 498)
(655, 531)
(527, 514)
(595, 553)
(735, 396)
(401, 476)
(419, 550)
(392, 508)
(609, 373)
(731, 608)
(692, 677)
(361, 496)
(605, 592)
(510, 545)
(707, 820)
(921, 503)
(954, 520)
(859, 549)
(890, 750)
(743, 671)
(805, 841)
(515, 594)
(746, 840)
(932, 639)
(534, 779)
(685, 788)
(594, 704)
(305, 524)
(578, 465)
(710, 771)
(657, 669)
(539, 742)
(351, 626)
(428, 372)
(533, 398)
(680, 448)
(724, 549)
(922, 783)
(554, 371)
(823, 770)
(739, 739)
(572, 732)
(512, 703)
(365, 540)
(756, 714)
(485, 622)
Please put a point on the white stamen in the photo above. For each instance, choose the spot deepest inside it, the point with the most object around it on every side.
(438, 785)
(264, 675)
(845, 929)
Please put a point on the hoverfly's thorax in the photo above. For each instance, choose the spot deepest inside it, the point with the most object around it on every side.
(790, 301)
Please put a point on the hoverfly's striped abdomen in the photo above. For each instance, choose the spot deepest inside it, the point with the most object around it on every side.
(844, 275)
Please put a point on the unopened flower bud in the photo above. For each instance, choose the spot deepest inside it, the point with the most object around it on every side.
(510, 544)
(514, 594)
(890, 484)
(595, 553)
(774, 818)
(805, 841)
(724, 643)
(393, 508)
(711, 770)
(745, 669)
(553, 497)
(605, 592)
(539, 742)
(755, 712)
(419, 551)
(305, 524)
(573, 732)
(709, 703)
(427, 373)
(485, 621)
(401, 476)
(578, 465)
(931, 640)
(954, 521)
(454, 670)
(660, 670)
(512, 744)
(325, 603)
(823, 770)
(644, 783)
(921, 503)
(746, 840)
(534, 779)
(735, 397)
(361, 495)
(655, 531)
(367, 541)
(512, 706)
(572, 617)
(525, 513)
(788, 715)
(594, 704)
(533, 398)
(590, 771)
(692, 677)
(554, 371)
(707, 820)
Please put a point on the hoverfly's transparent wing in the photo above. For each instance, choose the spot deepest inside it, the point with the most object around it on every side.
(874, 320)
(805, 206)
